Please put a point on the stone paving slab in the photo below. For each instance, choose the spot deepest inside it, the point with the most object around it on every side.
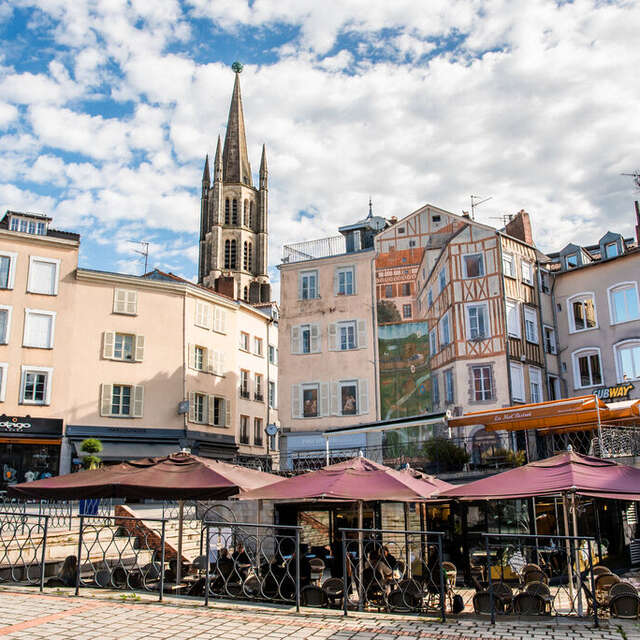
(30, 615)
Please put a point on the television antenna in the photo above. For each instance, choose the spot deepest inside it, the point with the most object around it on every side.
(144, 251)
(635, 176)
(506, 218)
(476, 201)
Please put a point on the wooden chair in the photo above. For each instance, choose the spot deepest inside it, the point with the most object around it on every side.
(625, 606)
(603, 583)
(317, 568)
(534, 575)
(542, 590)
(482, 603)
(529, 604)
(504, 594)
(450, 576)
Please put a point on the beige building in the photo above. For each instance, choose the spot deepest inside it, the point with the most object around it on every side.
(598, 315)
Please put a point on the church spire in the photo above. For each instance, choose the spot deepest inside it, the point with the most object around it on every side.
(264, 172)
(217, 163)
(206, 177)
(235, 160)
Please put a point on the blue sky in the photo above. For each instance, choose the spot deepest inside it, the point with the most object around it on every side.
(107, 108)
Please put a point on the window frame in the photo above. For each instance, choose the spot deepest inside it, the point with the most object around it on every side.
(258, 346)
(310, 386)
(575, 357)
(48, 371)
(433, 341)
(125, 312)
(9, 309)
(42, 312)
(133, 346)
(464, 265)
(405, 314)
(531, 312)
(242, 346)
(510, 258)
(4, 369)
(347, 324)
(310, 273)
(442, 278)
(538, 374)
(568, 266)
(515, 304)
(244, 422)
(11, 275)
(349, 383)
(449, 386)
(616, 355)
(258, 432)
(606, 250)
(446, 317)
(467, 317)
(477, 367)
(517, 366)
(205, 408)
(553, 351)
(54, 261)
(530, 281)
(569, 303)
(339, 272)
(272, 397)
(630, 284)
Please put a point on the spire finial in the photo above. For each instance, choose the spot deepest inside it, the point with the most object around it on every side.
(237, 67)
(206, 176)
(370, 208)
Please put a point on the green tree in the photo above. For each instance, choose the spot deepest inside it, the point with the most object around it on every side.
(91, 446)
(387, 312)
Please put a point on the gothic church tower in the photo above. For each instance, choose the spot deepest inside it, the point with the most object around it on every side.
(233, 215)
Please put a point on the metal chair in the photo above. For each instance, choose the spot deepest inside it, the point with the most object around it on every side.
(450, 576)
(529, 604)
(313, 596)
(534, 575)
(603, 584)
(406, 597)
(542, 590)
(625, 606)
(622, 588)
(317, 568)
(504, 594)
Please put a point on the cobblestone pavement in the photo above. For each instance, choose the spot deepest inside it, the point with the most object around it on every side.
(34, 616)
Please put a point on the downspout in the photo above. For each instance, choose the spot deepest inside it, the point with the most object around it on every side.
(542, 345)
(266, 390)
(185, 396)
(374, 335)
(565, 388)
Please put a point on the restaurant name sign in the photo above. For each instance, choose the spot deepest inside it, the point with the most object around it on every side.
(618, 391)
(15, 424)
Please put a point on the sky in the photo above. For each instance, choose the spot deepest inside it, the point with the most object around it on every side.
(108, 107)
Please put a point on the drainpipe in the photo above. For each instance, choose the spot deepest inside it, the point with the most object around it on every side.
(185, 395)
(266, 389)
(374, 336)
(554, 306)
(544, 351)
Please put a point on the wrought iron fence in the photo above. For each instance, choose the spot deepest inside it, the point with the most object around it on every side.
(23, 541)
(538, 575)
(397, 571)
(311, 249)
(612, 442)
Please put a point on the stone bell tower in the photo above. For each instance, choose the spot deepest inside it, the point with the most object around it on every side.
(233, 215)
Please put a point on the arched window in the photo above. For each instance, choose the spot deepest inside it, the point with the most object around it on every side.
(233, 255)
(245, 258)
(587, 367)
(246, 293)
(582, 312)
(628, 360)
(251, 215)
(250, 259)
(227, 254)
(226, 211)
(623, 302)
(234, 212)
(245, 220)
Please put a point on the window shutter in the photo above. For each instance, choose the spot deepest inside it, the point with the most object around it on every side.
(139, 348)
(119, 301)
(132, 302)
(211, 406)
(192, 406)
(220, 365)
(105, 403)
(335, 408)
(206, 315)
(109, 338)
(324, 398)
(315, 338)
(299, 286)
(355, 290)
(227, 412)
(192, 356)
(138, 401)
(333, 337)
(336, 282)
(296, 400)
(363, 396)
(362, 334)
(295, 340)
(223, 321)
(210, 361)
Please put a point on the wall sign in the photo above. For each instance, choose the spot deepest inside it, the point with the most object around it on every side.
(618, 391)
(15, 424)
(30, 426)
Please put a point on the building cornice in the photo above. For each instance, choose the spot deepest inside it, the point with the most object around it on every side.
(28, 237)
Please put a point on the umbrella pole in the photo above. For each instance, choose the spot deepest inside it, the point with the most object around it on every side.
(575, 533)
(565, 509)
(259, 536)
(180, 523)
(407, 552)
(360, 554)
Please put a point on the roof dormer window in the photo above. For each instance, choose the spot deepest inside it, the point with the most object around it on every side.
(28, 224)
(610, 250)
(571, 261)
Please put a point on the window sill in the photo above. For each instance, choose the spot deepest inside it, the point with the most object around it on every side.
(42, 293)
(33, 346)
(123, 313)
(536, 342)
(614, 324)
(529, 284)
(572, 331)
(34, 404)
(201, 326)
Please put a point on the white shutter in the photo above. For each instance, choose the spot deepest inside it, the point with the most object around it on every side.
(227, 412)
(362, 334)
(38, 330)
(219, 320)
(138, 401)
(296, 401)
(295, 340)
(299, 286)
(192, 356)
(210, 361)
(223, 321)
(335, 408)
(139, 348)
(192, 406)
(324, 399)
(336, 282)
(220, 364)
(132, 302)
(105, 401)
(333, 337)
(108, 343)
(363, 396)
(355, 290)
(211, 409)
(315, 338)
(206, 315)
(119, 301)
(42, 277)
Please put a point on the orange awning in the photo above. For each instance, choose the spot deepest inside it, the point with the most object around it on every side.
(542, 415)
(616, 414)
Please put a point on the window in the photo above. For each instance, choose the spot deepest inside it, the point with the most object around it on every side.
(305, 338)
(244, 384)
(508, 265)
(200, 358)
(554, 388)
(219, 320)
(477, 321)
(406, 311)
(482, 383)
(121, 400)
(43, 276)
(251, 214)
(234, 211)
(586, 368)
(571, 261)
(3, 380)
(36, 385)
(125, 302)
(516, 371)
(513, 319)
(442, 278)
(433, 342)
(546, 281)
(206, 409)
(123, 346)
(308, 285)
(203, 314)
(582, 312)
(550, 345)
(257, 431)
(257, 346)
(39, 329)
(273, 355)
(628, 360)
(430, 298)
(248, 256)
(448, 386)
(7, 269)
(530, 325)
(535, 384)
(611, 250)
(272, 394)
(310, 401)
(227, 217)
(406, 288)
(244, 341)
(623, 302)
(388, 291)
(5, 324)
(435, 218)
(348, 398)
(305, 333)
(200, 408)
(347, 335)
(445, 333)
(258, 393)
(246, 213)
(230, 252)
(344, 281)
(472, 265)
(435, 389)
(244, 428)
(527, 272)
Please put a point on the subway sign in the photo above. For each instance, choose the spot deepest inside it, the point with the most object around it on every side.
(616, 392)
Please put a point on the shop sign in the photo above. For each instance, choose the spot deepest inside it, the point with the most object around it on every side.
(617, 392)
(32, 426)
(15, 424)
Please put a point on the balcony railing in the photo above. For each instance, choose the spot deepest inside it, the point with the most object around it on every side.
(312, 249)
(258, 397)
(244, 393)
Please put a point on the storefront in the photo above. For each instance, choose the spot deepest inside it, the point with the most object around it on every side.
(29, 448)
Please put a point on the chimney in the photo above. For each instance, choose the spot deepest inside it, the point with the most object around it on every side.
(465, 214)
(225, 285)
(520, 227)
(637, 222)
